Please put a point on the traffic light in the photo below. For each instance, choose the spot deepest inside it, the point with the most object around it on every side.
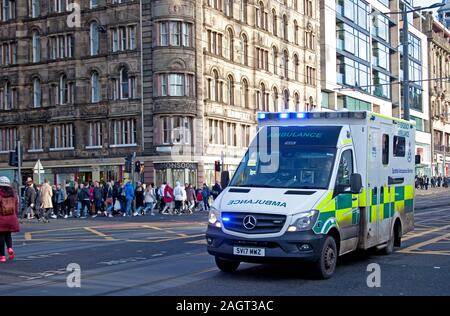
(13, 159)
(137, 167)
(128, 163)
(217, 166)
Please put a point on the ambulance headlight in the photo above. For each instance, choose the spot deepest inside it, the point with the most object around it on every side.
(213, 217)
(303, 221)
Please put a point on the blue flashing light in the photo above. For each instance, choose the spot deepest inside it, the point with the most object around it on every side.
(225, 219)
(284, 115)
(261, 116)
(300, 115)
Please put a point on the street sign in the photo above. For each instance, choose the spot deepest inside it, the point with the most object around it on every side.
(38, 168)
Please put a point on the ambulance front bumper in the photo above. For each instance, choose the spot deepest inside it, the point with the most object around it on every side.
(302, 246)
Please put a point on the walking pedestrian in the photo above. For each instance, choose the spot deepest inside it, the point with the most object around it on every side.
(206, 193)
(129, 197)
(149, 199)
(190, 198)
(168, 199)
(109, 201)
(83, 201)
(71, 201)
(30, 198)
(60, 202)
(97, 195)
(216, 190)
(179, 195)
(161, 196)
(139, 194)
(9, 212)
(201, 205)
(47, 204)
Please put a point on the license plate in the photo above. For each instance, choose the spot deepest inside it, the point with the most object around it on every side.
(244, 251)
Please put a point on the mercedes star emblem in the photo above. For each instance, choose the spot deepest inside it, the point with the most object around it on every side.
(249, 222)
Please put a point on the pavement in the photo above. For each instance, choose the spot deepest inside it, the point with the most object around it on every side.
(165, 255)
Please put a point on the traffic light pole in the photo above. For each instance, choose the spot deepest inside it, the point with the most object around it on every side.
(19, 176)
(133, 159)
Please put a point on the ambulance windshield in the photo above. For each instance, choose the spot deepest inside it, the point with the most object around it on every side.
(294, 157)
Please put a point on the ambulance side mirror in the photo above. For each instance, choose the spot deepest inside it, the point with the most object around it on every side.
(355, 183)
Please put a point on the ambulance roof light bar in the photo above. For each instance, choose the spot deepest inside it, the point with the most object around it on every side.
(311, 115)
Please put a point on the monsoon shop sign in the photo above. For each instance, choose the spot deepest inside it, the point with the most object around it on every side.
(260, 202)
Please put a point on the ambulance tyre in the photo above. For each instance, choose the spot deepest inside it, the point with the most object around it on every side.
(325, 266)
(227, 265)
(389, 248)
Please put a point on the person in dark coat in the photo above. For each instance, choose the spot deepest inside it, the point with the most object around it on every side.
(216, 190)
(9, 213)
(30, 198)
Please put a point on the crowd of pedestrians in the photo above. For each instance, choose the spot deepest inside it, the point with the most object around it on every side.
(425, 182)
(44, 201)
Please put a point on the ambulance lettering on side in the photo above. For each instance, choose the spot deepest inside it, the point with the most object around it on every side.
(337, 182)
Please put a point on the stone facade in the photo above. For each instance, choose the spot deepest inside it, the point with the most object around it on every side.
(439, 70)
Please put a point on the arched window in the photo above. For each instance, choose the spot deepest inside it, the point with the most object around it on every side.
(262, 98)
(124, 83)
(285, 64)
(286, 99)
(37, 93)
(275, 99)
(94, 39)
(285, 27)
(244, 11)
(230, 92)
(275, 60)
(36, 47)
(274, 22)
(244, 94)
(297, 102)
(296, 32)
(295, 4)
(63, 90)
(35, 8)
(95, 87)
(215, 86)
(296, 63)
(231, 44)
(260, 21)
(244, 50)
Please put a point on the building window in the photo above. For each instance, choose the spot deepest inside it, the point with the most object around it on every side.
(37, 93)
(296, 65)
(36, 140)
(380, 25)
(174, 85)
(35, 8)
(275, 60)
(309, 40)
(231, 44)
(244, 49)
(285, 64)
(36, 47)
(60, 6)
(243, 11)
(352, 41)
(262, 59)
(309, 8)
(216, 132)
(286, 100)
(214, 43)
(8, 10)
(296, 28)
(274, 22)
(123, 38)
(297, 102)
(352, 73)
(95, 87)
(382, 85)
(261, 16)
(8, 53)
(8, 138)
(310, 76)
(126, 85)
(245, 135)
(61, 46)
(229, 8)
(275, 99)
(63, 136)
(262, 98)
(285, 28)
(381, 56)
(8, 96)
(176, 130)
(63, 90)
(95, 135)
(94, 39)
(244, 94)
(231, 137)
(230, 90)
(93, 4)
(124, 132)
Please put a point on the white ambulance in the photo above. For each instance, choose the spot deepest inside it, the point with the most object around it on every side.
(316, 185)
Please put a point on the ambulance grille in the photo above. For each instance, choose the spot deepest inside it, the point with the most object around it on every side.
(265, 223)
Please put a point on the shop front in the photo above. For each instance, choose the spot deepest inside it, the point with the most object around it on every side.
(184, 172)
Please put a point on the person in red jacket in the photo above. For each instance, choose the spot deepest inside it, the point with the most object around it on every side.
(168, 199)
(9, 213)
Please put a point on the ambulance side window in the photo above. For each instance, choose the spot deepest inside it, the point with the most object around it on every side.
(385, 149)
(345, 169)
(399, 146)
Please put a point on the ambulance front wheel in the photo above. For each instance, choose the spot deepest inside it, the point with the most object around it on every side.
(227, 265)
(325, 266)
